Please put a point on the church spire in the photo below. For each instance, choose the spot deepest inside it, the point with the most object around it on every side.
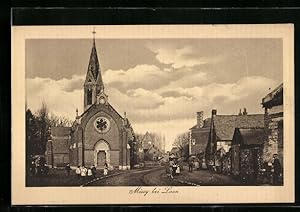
(94, 71)
(93, 84)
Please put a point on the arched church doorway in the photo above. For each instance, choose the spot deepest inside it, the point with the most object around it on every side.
(101, 154)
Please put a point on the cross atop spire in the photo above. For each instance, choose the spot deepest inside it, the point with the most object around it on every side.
(94, 32)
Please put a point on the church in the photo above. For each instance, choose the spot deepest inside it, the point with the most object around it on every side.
(99, 135)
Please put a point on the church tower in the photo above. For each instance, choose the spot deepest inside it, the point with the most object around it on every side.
(93, 85)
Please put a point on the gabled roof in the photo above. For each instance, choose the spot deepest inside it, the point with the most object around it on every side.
(225, 124)
(95, 104)
(274, 98)
(153, 149)
(146, 138)
(248, 136)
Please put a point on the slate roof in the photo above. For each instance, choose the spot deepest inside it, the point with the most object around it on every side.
(248, 136)
(201, 135)
(225, 124)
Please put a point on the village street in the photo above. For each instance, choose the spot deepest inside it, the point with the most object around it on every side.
(157, 176)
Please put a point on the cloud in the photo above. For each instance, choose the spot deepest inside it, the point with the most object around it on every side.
(141, 76)
(173, 93)
(190, 79)
(151, 77)
(60, 99)
(179, 57)
(76, 83)
(134, 99)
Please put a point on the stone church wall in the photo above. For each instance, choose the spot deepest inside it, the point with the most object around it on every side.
(114, 158)
(88, 158)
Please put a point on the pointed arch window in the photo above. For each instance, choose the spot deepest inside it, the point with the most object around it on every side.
(89, 96)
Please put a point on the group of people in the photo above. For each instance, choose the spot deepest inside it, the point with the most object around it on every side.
(194, 163)
(83, 172)
(38, 167)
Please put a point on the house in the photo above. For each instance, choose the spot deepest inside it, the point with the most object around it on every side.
(139, 150)
(199, 136)
(273, 105)
(152, 154)
(247, 145)
(221, 133)
(176, 152)
(152, 145)
(147, 141)
(57, 148)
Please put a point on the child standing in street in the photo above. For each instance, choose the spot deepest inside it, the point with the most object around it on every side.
(105, 171)
(77, 171)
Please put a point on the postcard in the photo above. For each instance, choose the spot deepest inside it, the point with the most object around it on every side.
(153, 114)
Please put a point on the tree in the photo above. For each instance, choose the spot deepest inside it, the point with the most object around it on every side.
(32, 136)
(182, 142)
(43, 127)
(63, 121)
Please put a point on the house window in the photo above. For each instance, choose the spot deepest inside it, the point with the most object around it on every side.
(193, 141)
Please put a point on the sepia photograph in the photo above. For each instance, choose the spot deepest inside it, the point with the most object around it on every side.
(153, 112)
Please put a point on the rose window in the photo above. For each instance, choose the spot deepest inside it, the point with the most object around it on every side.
(102, 124)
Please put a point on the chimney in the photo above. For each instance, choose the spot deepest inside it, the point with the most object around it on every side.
(245, 112)
(240, 113)
(200, 119)
(214, 112)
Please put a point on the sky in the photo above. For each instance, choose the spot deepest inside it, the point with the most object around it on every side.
(159, 83)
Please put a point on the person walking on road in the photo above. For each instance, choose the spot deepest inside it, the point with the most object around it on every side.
(191, 164)
(174, 168)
